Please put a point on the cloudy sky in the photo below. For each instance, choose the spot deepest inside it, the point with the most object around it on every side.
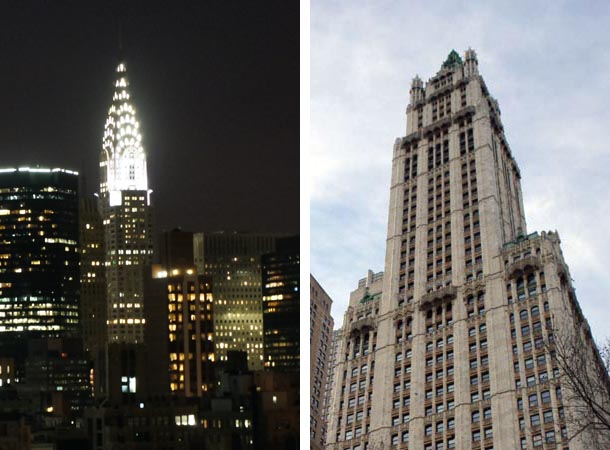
(547, 63)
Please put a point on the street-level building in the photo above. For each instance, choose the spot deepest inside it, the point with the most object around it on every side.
(320, 333)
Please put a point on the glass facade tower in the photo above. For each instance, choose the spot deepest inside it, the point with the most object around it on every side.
(39, 273)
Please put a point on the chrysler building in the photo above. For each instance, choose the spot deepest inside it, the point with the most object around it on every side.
(126, 212)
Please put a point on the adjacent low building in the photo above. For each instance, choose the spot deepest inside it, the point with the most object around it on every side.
(320, 335)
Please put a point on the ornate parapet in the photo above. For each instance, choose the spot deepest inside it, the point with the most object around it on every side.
(444, 294)
(528, 263)
(362, 325)
(413, 137)
(437, 125)
(464, 112)
(474, 287)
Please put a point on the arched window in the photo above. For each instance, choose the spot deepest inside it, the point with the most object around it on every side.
(531, 284)
(523, 314)
(535, 311)
(520, 289)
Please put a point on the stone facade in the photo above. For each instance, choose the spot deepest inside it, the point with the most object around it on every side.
(320, 332)
(455, 351)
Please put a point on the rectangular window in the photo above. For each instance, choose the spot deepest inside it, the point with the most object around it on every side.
(535, 420)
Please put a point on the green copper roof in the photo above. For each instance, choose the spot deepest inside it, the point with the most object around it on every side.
(452, 59)
(367, 297)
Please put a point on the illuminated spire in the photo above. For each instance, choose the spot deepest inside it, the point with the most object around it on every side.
(123, 161)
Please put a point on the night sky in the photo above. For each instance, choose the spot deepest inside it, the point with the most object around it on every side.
(216, 89)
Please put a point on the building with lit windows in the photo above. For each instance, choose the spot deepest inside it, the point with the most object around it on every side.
(39, 273)
(281, 294)
(233, 260)
(7, 371)
(458, 351)
(92, 276)
(57, 379)
(126, 213)
(320, 333)
(182, 330)
(93, 287)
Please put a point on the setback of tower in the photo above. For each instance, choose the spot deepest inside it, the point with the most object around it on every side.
(454, 353)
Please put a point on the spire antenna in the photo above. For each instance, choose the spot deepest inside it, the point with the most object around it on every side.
(120, 40)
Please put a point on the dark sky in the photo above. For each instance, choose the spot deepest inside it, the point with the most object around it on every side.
(215, 85)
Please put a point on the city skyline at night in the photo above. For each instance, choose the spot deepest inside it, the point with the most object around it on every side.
(216, 93)
(163, 119)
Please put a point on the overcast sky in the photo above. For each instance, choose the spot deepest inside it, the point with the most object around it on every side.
(547, 64)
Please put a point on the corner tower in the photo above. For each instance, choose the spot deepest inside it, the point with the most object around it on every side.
(126, 214)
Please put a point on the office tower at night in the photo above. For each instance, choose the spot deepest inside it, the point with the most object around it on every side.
(320, 333)
(281, 294)
(92, 277)
(39, 274)
(458, 352)
(57, 377)
(126, 215)
(233, 260)
(181, 330)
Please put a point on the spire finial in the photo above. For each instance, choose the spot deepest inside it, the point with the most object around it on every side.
(120, 40)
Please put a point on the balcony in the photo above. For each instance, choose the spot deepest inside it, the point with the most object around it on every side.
(440, 295)
(413, 137)
(527, 264)
(362, 325)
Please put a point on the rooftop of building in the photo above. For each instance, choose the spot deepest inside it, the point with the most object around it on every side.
(37, 170)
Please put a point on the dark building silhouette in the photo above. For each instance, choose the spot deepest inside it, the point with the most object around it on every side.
(93, 311)
(280, 287)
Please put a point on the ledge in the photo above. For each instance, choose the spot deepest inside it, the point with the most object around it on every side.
(532, 262)
(413, 137)
(439, 295)
(438, 124)
(464, 112)
(362, 324)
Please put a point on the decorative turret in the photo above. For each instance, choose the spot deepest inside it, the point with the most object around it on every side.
(123, 161)
(453, 59)
(471, 64)
(417, 90)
